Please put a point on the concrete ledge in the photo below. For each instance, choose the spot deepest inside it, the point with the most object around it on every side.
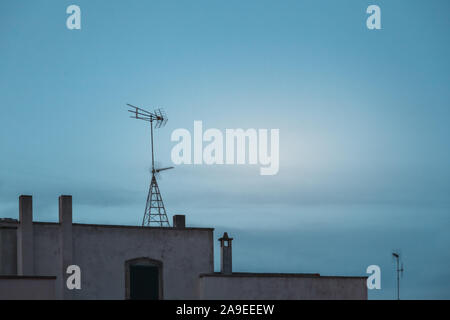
(28, 277)
(8, 223)
(276, 275)
(280, 286)
(141, 228)
(263, 275)
(126, 227)
(27, 288)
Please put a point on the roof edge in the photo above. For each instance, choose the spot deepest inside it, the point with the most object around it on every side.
(126, 226)
(275, 275)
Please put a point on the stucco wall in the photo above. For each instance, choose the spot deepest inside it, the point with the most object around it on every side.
(8, 250)
(27, 288)
(286, 287)
(46, 249)
(101, 253)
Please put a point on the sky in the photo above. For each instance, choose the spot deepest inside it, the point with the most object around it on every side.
(363, 119)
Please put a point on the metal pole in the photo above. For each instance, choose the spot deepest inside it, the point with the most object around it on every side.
(398, 279)
(153, 157)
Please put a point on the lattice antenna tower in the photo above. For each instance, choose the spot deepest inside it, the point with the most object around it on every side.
(155, 212)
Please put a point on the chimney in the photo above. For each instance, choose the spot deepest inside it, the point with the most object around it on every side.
(65, 241)
(25, 243)
(225, 254)
(179, 221)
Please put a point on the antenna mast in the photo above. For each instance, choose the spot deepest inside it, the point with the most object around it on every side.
(399, 272)
(155, 212)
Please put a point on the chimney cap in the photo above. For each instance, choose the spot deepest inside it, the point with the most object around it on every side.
(225, 237)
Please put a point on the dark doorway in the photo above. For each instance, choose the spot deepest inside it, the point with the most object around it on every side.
(144, 282)
(143, 279)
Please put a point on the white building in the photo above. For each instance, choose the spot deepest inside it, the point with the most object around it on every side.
(126, 262)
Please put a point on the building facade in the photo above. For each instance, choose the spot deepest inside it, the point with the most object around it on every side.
(127, 262)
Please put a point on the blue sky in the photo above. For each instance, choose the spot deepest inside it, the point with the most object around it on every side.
(363, 118)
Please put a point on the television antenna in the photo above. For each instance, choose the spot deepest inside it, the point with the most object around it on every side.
(400, 270)
(155, 212)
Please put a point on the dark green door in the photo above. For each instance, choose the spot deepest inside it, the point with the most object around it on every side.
(144, 282)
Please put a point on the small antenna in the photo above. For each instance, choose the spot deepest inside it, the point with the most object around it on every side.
(400, 270)
(155, 212)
